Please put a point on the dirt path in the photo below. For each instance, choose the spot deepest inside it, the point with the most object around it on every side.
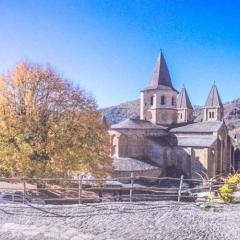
(125, 221)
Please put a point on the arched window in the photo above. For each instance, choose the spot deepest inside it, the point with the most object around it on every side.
(211, 115)
(140, 147)
(133, 149)
(151, 100)
(135, 146)
(162, 100)
(123, 146)
(221, 115)
(114, 143)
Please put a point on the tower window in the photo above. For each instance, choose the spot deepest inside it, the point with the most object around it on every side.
(173, 101)
(221, 115)
(180, 116)
(211, 115)
(152, 97)
(162, 100)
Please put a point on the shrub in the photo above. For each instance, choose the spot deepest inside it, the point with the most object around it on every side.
(230, 186)
(226, 193)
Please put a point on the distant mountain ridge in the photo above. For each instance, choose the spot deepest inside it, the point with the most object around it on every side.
(118, 113)
(131, 109)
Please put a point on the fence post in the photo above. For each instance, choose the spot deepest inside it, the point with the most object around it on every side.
(24, 190)
(210, 190)
(180, 188)
(131, 188)
(80, 178)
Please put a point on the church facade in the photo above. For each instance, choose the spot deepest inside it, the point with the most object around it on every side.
(165, 140)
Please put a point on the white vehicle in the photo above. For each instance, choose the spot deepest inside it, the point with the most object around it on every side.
(17, 197)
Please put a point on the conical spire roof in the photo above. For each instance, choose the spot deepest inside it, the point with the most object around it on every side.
(104, 120)
(183, 100)
(160, 76)
(214, 99)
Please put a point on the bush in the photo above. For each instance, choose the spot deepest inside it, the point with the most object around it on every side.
(226, 193)
(230, 186)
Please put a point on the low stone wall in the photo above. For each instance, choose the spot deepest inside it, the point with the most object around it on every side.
(145, 173)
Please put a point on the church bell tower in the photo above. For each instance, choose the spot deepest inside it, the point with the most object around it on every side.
(158, 101)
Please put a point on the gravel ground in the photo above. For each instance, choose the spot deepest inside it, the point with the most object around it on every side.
(120, 221)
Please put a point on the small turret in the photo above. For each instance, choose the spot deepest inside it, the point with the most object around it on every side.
(213, 109)
(184, 107)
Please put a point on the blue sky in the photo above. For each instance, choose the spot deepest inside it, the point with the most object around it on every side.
(109, 47)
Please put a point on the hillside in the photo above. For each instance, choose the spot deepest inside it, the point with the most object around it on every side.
(131, 109)
(115, 114)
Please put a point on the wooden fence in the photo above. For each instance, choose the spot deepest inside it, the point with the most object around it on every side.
(81, 190)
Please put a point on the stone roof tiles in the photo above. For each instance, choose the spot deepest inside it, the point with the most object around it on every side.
(214, 99)
(183, 100)
(131, 164)
(136, 124)
(160, 76)
(196, 141)
(200, 127)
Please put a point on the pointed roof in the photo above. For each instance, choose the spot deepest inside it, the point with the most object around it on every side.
(183, 100)
(160, 77)
(214, 99)
(104, 120)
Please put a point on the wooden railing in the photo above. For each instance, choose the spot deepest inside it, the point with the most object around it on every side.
(81, 190)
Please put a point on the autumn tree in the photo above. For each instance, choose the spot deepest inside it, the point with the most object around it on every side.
(48, 127)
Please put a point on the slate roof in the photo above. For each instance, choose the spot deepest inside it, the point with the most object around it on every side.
(131, 164)
(136, 124)
(200, 127)
(196, 141)
(214, 99)
(183, 100)
(104, 120)
(160, 77)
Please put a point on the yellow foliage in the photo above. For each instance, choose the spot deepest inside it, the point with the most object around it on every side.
(234, 179)
(48, 127)
(226, 193)
(211, 196)
(229, 187)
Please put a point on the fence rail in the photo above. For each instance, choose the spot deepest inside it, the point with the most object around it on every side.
(80, 190)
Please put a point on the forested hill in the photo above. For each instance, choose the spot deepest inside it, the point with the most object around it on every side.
(131, 109)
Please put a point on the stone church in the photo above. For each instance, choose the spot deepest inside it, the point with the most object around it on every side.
(166, 140)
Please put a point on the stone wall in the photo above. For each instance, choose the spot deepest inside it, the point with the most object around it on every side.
(164, 151)
(212, 114)
(156, 152)
(128, 143)
(167, 156)
(153, 110)
(199, 161)
(145, 173)
(185, 115)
